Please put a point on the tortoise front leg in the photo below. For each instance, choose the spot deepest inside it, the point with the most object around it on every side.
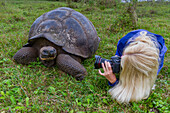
(26, 55)
(70, 66)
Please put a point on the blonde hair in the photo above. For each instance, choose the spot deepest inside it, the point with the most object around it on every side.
(139, 71)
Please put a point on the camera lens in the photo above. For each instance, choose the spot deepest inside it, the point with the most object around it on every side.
(99, 61)
(97, 64)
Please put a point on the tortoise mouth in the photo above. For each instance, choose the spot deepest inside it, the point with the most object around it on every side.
(48, 63)
(42, 57)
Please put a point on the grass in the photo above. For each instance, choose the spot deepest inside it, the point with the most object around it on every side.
(36, 88)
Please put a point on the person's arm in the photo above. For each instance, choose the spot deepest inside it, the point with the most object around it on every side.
(113, 84)
(108, 73)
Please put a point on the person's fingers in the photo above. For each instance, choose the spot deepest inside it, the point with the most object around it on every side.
(103, 67)
(109, 67)
(101, 73)
(106, 64)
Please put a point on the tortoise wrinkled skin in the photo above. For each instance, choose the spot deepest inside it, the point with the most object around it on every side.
(62, 32)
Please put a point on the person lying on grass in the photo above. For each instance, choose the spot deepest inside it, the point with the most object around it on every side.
(142, 55)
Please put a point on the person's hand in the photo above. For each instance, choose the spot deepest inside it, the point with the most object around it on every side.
(108, 73)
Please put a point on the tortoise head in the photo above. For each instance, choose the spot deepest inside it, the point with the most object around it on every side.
(48, 55)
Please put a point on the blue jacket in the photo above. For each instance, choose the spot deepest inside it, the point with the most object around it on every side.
(123, 42)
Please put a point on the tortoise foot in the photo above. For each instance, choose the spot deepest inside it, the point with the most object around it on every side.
(70, 66)
(79, 77)
(26, 55)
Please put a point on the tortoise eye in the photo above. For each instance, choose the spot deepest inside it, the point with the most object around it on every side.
(45, 51)
(54, 50)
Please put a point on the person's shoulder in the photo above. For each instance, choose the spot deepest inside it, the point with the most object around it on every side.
(129, 35)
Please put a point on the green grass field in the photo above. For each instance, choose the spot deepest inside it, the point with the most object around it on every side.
(36, 88)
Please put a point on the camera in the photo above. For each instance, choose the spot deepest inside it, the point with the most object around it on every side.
(114, 62)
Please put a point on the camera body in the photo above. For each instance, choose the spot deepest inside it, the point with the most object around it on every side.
(114, 62)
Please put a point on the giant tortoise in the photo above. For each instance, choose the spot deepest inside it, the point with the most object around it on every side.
(63, 37)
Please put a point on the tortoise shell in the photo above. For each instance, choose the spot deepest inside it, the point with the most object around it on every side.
(67, 28)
